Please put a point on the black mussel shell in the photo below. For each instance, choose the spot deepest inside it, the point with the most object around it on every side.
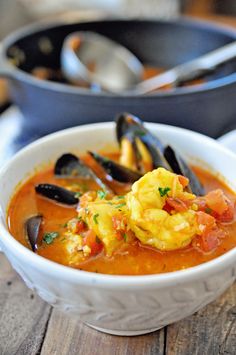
(32, 226)
(127, 123)
(132, 127)
(116, 171)
(70, 166)
(57, 193)
(179, 166)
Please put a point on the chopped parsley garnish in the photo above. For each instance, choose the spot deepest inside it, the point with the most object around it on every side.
(125, 237)
(120, 205)
(139, 133)
(208, 210)
(120, 197)
(95, 218)
(101, 194)
(78, 194)
(49, 237)
(163, 191)
(65, 225)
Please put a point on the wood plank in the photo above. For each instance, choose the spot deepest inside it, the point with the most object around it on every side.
(210, 331)
(69, 337)
(23, 315)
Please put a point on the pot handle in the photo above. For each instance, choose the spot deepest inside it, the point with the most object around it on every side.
(228, 140)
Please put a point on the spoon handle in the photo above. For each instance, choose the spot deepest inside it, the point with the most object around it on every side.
(189, 70)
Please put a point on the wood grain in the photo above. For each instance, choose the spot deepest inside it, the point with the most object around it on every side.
(23, 315)
(70, 337)
(28, 327)
(210, 331)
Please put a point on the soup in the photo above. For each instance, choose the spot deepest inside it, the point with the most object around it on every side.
(135, 212)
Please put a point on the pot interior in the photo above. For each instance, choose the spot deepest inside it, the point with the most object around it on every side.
(161, 44)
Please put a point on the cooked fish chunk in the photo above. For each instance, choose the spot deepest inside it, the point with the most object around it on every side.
(98, 216)
(151, 224)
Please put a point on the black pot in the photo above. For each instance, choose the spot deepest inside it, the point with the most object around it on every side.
(49, 106)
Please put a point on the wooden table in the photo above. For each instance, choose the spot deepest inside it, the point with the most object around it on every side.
(30, 326)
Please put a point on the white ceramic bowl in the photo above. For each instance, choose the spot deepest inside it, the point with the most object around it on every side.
(122, 305)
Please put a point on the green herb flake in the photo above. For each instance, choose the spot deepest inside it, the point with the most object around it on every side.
(163, 191)
(78, 194)
(95, 217)
(208, 210)
(120, 197)
(63, 239)
(65, 225)
(101, 194)
(49, 237)
(120, 205)
(125, 237)
(139, 133)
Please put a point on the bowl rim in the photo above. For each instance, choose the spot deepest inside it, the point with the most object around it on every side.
(127, 282)
(184, 21)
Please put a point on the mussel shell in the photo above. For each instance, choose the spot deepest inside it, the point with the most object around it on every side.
(57, 193)
(132, 127)
(70, 166)
(32, 226)
(179, 166)
(126, 124)
(115, 170)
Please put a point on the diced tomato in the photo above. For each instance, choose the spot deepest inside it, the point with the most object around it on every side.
(206, 221)
(210, 240)
(76, 226)
(119, 223)
(91, 240)
(217, 201)
(80, 226)
(177, 204)
(201, 203)
(227, 215)
(120, 235)
(167, 208)
(183, 180)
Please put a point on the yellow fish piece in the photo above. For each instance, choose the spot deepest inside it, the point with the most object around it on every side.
(98, 216)
(151, 224)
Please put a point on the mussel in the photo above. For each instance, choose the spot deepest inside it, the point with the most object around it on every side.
(179, 166)
(115, 170)
(32, 226)
(137, 142)
(70, 166)
(139, 145)
(57, 193)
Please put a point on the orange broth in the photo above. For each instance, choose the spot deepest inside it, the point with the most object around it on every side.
(133, 259)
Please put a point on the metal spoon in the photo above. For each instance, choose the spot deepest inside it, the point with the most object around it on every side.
(188, 71)
(88, 58)
(95, 59)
